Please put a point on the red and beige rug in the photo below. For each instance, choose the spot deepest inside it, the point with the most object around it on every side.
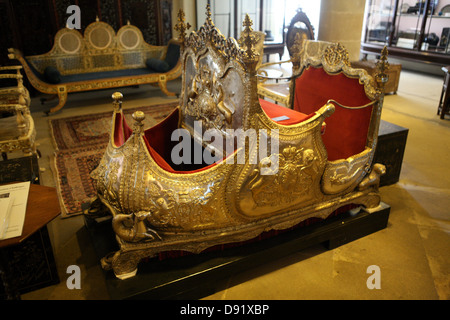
(80, 143)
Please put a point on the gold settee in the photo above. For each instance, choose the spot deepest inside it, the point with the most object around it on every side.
(159, 203)
(100, 59)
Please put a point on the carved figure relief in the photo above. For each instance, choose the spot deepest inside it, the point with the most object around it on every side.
(172, 210)
(342, 175)
(298, 169)
(206, 101)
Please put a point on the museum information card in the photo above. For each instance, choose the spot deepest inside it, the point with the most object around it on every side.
(13, 207)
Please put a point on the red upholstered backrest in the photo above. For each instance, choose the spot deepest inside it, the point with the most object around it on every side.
(346, 130)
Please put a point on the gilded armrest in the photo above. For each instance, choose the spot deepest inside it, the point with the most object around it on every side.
(268, 64)
(11, 76)
(15, 54)
(11, 68)
(263, 75)
(345, 174)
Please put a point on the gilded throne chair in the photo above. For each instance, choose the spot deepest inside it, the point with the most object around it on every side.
(223, 168)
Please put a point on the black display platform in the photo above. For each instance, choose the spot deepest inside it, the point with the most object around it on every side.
(196, 276)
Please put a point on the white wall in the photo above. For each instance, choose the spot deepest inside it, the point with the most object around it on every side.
(342, 21)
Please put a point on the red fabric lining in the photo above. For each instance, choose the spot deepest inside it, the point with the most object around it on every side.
(346, 132)
(121, 130)
(273, 110)
(164, 165)
(157, 140)
(159, 135)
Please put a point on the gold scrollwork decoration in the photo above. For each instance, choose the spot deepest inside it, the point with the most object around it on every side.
(336, 55)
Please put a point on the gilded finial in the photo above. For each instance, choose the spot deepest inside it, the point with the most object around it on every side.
(117, 97)
(208, 12)
(247, 23)
(97, 19)
(138, 125)
(382, 66)
(248, 38)
(181, 26)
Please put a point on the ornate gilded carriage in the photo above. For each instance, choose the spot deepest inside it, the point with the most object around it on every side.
(226, 166)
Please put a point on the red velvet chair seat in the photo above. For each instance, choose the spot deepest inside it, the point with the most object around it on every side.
(274, 111)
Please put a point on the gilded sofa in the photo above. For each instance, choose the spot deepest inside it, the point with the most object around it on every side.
(98, 60)
(227, 189)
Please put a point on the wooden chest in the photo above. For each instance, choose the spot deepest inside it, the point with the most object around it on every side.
(393, 73)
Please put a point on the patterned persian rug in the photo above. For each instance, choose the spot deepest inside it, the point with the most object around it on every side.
(80, 143)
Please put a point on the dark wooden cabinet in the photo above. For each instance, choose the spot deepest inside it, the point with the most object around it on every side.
(416, 30)
(28, 262)
(390, 151)
(30, 25)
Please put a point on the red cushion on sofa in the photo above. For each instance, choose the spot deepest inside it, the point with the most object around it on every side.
(273, 110)
(346, 132)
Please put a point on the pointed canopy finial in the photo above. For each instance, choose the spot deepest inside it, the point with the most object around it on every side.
(382, 66)
(208, 12)
(181, 26)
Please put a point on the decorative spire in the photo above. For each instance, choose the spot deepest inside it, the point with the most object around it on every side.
(249, 38)
(382, 66)
(181, 26)
(117, 96)
(138, 126)
(247, 23)
(208, 12)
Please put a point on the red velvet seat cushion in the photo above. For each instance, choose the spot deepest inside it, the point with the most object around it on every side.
(273, 110)
(346, 132)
